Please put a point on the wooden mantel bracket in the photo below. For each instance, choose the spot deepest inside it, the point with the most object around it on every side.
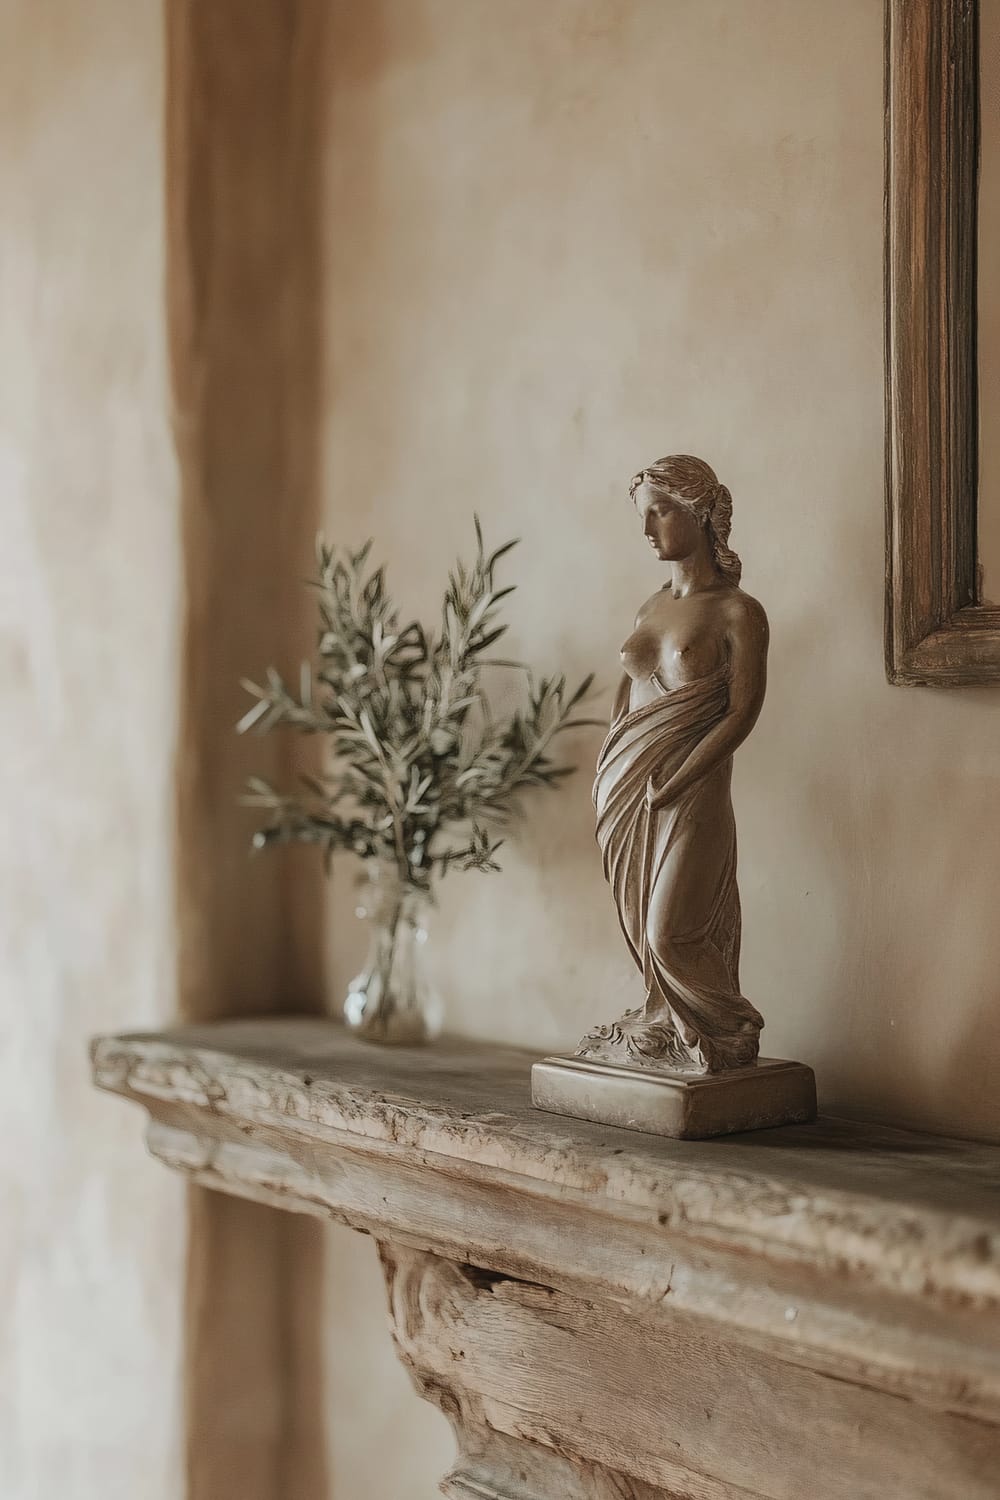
(811, 1313)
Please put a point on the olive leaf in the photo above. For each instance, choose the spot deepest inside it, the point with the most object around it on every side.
(420, 770)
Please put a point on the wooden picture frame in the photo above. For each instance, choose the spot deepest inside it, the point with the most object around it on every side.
(938, 631)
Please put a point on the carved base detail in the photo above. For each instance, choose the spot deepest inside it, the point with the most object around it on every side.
(496, 1355)
(556, 1396)
(688, 1106)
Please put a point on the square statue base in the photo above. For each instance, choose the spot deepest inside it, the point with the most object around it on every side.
(684, 1105)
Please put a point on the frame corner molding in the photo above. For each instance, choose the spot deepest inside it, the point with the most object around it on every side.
(937, 630)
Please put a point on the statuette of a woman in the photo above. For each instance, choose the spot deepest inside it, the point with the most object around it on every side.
(694, 675)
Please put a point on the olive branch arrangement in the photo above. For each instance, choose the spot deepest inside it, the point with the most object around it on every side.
(420, 770)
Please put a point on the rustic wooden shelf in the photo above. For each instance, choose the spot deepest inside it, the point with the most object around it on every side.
(803, 1313)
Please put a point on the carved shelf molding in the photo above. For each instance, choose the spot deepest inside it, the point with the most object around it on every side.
(812, 1311)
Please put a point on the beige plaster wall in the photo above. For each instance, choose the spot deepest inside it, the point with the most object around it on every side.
(564, 239)
(90, 1236)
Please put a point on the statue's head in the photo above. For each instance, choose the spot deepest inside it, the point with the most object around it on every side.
(681, 501)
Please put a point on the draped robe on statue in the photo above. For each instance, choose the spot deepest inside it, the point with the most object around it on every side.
(678, 864)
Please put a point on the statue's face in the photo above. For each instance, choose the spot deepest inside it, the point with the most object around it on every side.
(670, 527)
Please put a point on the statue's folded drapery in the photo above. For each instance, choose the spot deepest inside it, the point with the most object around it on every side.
(673, 877)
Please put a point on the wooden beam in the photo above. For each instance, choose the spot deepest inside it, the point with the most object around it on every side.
(812, 1311)
(244, 104)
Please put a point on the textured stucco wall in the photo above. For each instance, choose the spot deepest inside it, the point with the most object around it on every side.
(564, 239)
(561, 240)
(91, 1236)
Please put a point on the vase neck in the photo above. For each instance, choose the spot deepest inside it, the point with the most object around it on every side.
(390, 898)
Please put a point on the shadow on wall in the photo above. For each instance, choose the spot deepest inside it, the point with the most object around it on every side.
(244, 107)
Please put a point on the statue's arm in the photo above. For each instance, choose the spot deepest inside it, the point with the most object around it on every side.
(747, 638)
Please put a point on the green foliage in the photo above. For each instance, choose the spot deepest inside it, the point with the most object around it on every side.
(420, 771)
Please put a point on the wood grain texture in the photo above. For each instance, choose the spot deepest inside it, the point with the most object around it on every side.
(661, 1404)
(844, 1274)
(937, 630)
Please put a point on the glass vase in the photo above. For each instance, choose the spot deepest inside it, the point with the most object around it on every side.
(392, 1001)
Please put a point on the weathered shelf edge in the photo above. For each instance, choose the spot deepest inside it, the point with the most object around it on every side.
(243, 1126)
(954, 1258)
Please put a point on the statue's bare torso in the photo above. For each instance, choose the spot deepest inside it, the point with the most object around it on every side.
(677, 641)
